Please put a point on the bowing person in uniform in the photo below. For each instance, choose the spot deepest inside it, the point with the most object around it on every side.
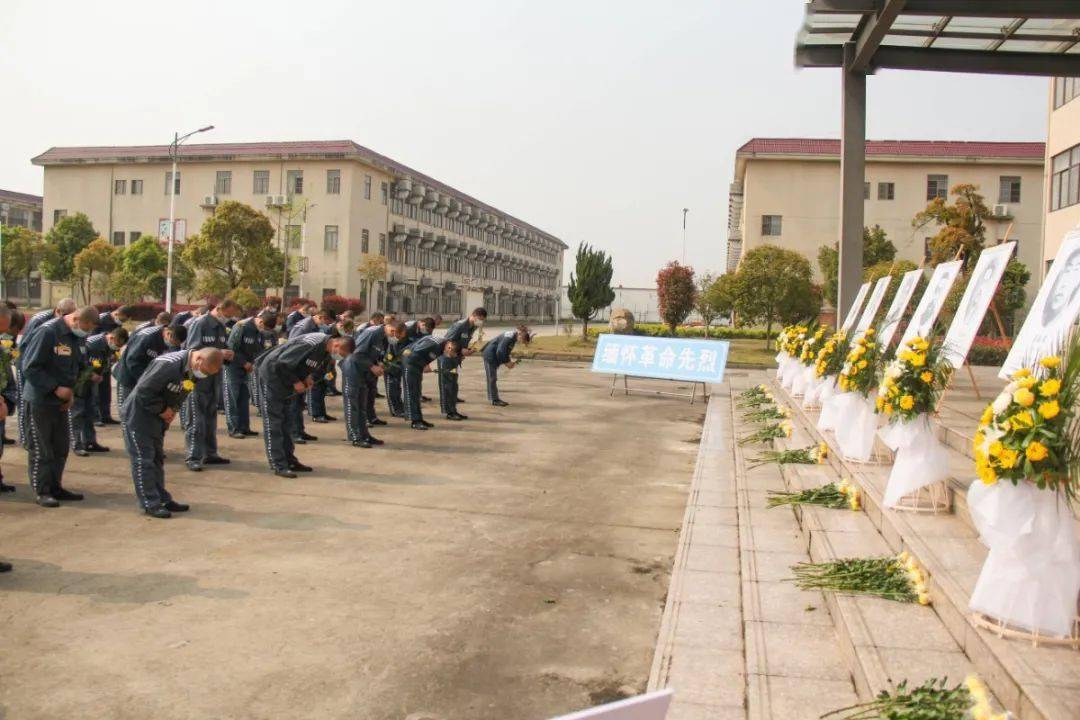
(302, 311)
(50, 362)
(201, 409)
(98, 354)
(246, 342)
(8, 331)
(162, 319)
(146, 414)
(462, 331)
(107, 322)
(11, 322)
(284, 372)
(416, 360)
(321, 321)
(142, 348)
(373, 342)
(64, 307)
(496, 353)
(359, 372)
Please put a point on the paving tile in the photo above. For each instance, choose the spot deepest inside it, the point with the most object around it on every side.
(715, 498)
(783, 602)
(715, 535)
(715, 516)
(711, 587)
(918, 666)
(710, 626)
(712, 558)
(707, 676)
(786, 539)
(769, 566)
(904, 625)
(788, 698)
(793, 651)
(681, 710)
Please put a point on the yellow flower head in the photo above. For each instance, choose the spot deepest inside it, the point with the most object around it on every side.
(1036, 451)
(1023, 397)
(1049, 410)
(1021, 373)
(1028, 382)
(927, 377)
(987, 416)
(6, 343)
(924, 598)
(1021, 421)
(1050, 387)
(96, 363)
(15, 353)
(1050, 362)
(889, 408)
(907, 402)
(987, 474)
(188, 385)
(1008, 458)
(918, 360)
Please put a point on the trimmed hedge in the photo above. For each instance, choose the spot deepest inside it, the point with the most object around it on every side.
(339, 304)
(689, 331)
(988, 351)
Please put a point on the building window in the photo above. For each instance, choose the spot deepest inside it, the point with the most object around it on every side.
(367, 187)
(260, 184)
(329, 291)
(294, 183)
(223, 182)
(333, 182)
(926, 249)
(385, 192)
(866, 191)
(886, 191)
(937, 186)
(294, 236)
(1065, 89)
(382, 243)
(136, 187)
(364, 238)
(134, 236)
(1009, 189)
(1065, 181)
(174, 184)
(119, 187)
(58, 215)
(770, 225)
(118, 237)
(330, 238)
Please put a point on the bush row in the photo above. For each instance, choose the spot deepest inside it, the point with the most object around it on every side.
(689, 331)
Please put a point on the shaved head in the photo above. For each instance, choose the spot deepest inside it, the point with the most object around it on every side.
(67, 306)
(209, 360)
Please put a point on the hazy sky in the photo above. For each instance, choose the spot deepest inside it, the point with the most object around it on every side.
(597, 121)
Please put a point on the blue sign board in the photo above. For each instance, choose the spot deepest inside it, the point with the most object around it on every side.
(666, 358)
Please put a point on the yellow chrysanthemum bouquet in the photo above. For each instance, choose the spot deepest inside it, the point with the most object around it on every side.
(1028, 432)
(912, 383)
(831, 356)
(859, 371)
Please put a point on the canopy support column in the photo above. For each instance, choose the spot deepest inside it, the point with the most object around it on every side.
(852, 179)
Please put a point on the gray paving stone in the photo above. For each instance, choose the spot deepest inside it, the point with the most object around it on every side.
(793, 650)
(715, 516)
(783, 602)
(769, 566)
(712, 558)
(709, 626)
(715, 535)
(790, 698)
(711, 587)
(680, 710)
(708, 676)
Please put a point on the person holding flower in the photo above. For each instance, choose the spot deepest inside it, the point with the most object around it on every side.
(496, 353)
(147, 412)
(97, 355)
(201, 411)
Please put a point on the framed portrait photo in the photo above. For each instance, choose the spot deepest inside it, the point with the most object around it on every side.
(932, 300)
(868, 313)
(853, 311)
(977, 296)
(900, 301)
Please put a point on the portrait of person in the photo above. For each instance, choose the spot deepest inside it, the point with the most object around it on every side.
(900, 303)
(983, 287)
(1063, 290)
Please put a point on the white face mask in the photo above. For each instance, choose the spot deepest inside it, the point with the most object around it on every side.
(199, 374)
(479, 323)
(393, 340)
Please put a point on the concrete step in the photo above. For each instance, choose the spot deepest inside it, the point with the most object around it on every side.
(1032, 682)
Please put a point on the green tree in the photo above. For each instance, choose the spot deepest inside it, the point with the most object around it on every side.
(234, 248)
(960, 225)
(876, 248)
(676, 292)
(22, 250)
(372, 269)
(1011, 294)
(773, 285)
(141, 272)
(63, 242)
(590, 289)
(247, 298)
(704, 308)
(98, 257)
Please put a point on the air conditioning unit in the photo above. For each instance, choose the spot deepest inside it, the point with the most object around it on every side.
(210, 201)
(276, 200)
(1002, 211)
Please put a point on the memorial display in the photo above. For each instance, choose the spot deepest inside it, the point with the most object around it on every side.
(857, 381)
(976, 299)
(830, 361)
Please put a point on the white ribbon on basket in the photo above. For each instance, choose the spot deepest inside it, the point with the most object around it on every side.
(813, 390)
(829, 402)
(1031, 577)
(921, 459)
(781, 366)
(826, 388)
(855, 425)
(803, 376)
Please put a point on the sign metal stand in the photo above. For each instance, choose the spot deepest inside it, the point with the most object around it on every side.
(627, 390)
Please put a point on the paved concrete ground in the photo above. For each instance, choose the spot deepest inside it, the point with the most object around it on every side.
(512, 566)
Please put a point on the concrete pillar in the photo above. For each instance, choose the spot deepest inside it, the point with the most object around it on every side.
(852, 179)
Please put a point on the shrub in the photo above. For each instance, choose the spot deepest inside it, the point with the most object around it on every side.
(107, 306)
(690, 331)
(988, 351)
(338, 304)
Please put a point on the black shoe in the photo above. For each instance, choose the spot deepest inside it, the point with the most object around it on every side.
(237, 435)
(375, 441)
(6, 488)
(425, 398)
(9, 441)
(397, 414)
(376, 421)
(194, 466)
(379, 395)
(452, 416)
(5, 567)
(110, 421)
(321, 419)
(329, 418)
(81, 452)
(459, 416)
(216, 460)
(427, 423)
(361, 443)
(173, 506)
(158, 511)
(67, 495)
(308, 437)
(47, 501)
(99, 423)
(460, 400)
(499, 403)
(299, 441)
(285, 473)
(419, 425)
(249, 433)
(299, 467)
(96, 448)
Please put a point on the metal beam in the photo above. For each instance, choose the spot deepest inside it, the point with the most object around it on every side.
(939, 28)
(995, 62)
(989, 36)
(875, 28)
(1007, 32)
(819, 56)
(1055, 9)
(852, 177)
(842, 6)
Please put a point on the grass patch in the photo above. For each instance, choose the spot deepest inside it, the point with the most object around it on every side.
(742, 351)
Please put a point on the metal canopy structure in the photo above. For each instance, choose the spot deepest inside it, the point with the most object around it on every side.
(1002, 37)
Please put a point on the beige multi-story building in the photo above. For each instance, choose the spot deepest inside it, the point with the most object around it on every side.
(1062, 166)
(786, 192)
(21, 209)
(332, 202)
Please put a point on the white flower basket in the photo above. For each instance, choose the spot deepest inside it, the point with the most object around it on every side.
(855, 425)
(921, 461)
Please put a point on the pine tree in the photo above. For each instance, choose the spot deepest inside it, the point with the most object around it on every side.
(590, 289)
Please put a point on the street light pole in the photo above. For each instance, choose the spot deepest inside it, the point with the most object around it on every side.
(684, 211)
(174, 152)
